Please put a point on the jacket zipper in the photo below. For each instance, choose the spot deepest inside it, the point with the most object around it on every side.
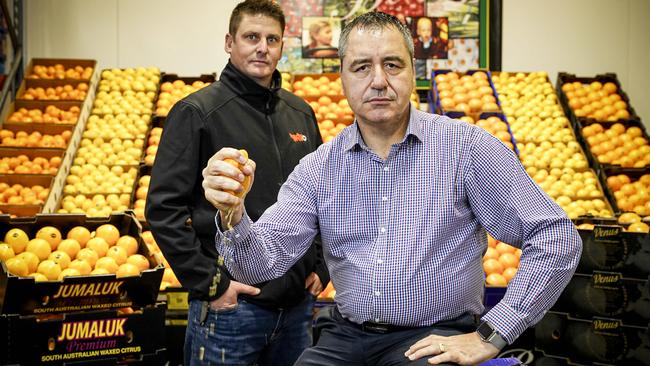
(275, 142)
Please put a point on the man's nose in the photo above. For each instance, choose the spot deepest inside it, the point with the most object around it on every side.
(263, 46)
(378, 78)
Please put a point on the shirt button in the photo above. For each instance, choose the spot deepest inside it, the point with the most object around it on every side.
(377, 293)
(383, 229)
(380, 261)
(385, 168)
(384, 198)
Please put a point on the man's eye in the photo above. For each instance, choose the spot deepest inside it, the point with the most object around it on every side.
(252, 37)
(273, 40)
(362, 68)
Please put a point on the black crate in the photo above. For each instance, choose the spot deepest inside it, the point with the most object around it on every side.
(563, 78)
(609, 248)
(596, 340)
(22, 295)
(607, 294)
(79, 338)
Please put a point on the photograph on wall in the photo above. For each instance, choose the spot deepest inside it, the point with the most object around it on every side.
(402, 8)
(347, 9)
(463, 16)
(320, 37)
(294, 10)
(463, 55)
(430, 37)
(293, 62)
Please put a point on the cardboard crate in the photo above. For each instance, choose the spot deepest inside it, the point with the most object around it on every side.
(609, 248)
(596, 340)
(27, 181)
(66, 62)
(24, 296)
(50, 83)
(40, 105)
(82, 337)
(607, 294)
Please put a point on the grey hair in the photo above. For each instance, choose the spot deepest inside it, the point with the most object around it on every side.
(375, 20)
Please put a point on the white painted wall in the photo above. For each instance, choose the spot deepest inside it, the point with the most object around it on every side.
(584, 37)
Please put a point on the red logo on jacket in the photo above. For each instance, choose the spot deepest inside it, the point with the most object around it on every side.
(298, 137)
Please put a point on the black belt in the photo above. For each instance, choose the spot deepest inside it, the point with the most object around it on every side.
(384, 328)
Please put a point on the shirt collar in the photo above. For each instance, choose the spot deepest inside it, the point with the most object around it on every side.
(414, 128)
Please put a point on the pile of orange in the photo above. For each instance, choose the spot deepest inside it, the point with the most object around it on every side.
(631, 195)
(500, 263)
(172, 92)
(34, 139)
(141, 196)
(596, 100)
(49, 257)
(169, 278)
(17, 194)
(152, 146)
(51, 114)
(65, 92)
(495, 126)
(22, 164)
(618, 144)
(58, 71)
(466, 93)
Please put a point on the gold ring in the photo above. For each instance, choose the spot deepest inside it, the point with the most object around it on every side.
(442, 347)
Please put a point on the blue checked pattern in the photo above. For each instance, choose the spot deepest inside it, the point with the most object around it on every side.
(404, 238)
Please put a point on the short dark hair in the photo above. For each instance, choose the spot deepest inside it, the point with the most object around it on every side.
(375, 20)
(267, 8)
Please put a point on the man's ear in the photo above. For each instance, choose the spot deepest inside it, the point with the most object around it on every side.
(228, 44)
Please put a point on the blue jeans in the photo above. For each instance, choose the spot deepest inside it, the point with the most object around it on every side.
(248, 335)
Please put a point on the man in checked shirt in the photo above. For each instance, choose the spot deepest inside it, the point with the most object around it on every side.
(403, 200)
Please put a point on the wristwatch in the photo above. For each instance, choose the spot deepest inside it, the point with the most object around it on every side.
(489, 335)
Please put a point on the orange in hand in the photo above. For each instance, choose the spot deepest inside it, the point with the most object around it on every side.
(247, 179)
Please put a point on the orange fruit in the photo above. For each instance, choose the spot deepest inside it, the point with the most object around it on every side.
(99, 271)
(518, 253)
(495, 279)
(88, 255)
(509, 260)
(6, 252)
(639, 227)
(49, 269)
(490, 253)
(18, 240)
(31, 259)
(38, 277)
(139, 261)
(127, 269)
(70, 247)
(118, 253)
(164, 285)
(40, 247)
(107, 263)
(168, 275)
(492, 266)
(109, 233)
(129, 243)
(99, 245)
(492, 242)
(147, 236)
(61, 258)
(69, 272)
(51, 234)
(504, 248)
(80, 234)
(509, 273)
(80, 265)
(17, 267)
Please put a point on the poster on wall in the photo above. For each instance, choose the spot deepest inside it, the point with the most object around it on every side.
(445, 32)
(320, 37)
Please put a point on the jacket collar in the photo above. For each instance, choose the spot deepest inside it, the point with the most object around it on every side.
(259, 97)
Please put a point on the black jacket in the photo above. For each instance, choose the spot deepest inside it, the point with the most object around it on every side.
(277, 129)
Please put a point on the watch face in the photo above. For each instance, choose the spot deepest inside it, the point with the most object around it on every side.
(485, 330)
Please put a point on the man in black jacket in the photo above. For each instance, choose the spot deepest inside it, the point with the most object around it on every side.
(229, 322)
